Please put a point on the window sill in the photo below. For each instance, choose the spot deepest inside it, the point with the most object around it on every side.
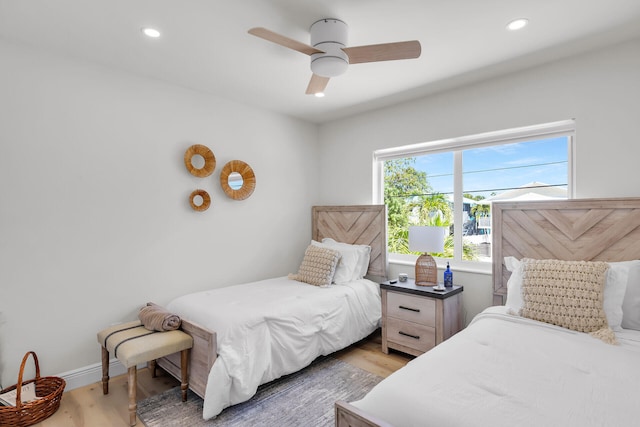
(466, 266)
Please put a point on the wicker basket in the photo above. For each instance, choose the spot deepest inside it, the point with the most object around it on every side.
(48, 389)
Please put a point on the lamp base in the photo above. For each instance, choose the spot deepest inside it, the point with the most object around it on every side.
(426, 271)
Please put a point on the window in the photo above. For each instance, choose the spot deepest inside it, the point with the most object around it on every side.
(453, 183)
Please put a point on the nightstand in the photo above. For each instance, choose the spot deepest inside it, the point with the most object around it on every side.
(416, 318)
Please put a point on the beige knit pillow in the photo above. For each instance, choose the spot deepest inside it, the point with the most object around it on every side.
(318, 266)
(568, 294)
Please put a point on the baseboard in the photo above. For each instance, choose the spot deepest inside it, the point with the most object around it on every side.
(92, 374)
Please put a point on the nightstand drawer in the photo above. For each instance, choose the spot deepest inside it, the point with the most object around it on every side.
(419, 337)
(412, 308)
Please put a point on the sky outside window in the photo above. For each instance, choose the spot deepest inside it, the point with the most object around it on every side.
(494, 169)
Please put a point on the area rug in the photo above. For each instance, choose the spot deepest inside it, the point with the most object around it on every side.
(305, 398)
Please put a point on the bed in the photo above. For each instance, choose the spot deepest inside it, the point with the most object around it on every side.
(509, 368)
(249, 334)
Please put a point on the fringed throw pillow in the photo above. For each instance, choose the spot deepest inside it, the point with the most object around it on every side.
(318, 266)
(569, 294)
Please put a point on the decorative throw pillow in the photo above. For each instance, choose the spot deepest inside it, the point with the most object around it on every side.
(615, 285)
(318, 266)
(569, 294)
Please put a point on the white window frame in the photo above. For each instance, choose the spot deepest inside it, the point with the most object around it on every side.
(564, 128)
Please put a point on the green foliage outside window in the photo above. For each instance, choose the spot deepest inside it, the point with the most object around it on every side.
(410, 200)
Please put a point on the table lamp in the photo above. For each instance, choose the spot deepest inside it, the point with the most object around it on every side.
(426, 239)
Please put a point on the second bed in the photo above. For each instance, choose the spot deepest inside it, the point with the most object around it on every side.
(274, 327)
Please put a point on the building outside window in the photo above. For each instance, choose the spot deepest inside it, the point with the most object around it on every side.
(453, 183)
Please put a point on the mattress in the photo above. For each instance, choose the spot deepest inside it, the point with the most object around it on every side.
(505, 370)
(275, 327)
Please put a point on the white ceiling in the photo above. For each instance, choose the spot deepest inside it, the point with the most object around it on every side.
(205, 45)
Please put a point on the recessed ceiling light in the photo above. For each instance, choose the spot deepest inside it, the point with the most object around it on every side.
(319, 94)
(517, 24)
(151, 32)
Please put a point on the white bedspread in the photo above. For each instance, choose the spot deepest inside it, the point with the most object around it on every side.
(275, 327)
(504, 370)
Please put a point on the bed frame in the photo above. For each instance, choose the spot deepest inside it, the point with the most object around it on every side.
(579, 229)
(362, 225)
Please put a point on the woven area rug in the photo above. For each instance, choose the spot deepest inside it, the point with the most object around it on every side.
(305, 398)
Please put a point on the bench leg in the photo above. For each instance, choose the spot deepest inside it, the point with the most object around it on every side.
(105, 371)
(152, 367)
(133, 383)
(184, 370)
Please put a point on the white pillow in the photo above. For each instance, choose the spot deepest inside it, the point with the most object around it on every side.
(631, 302)
(344, 269)
(514, 285)
(355, 258)
(615, 288)
(614, 291)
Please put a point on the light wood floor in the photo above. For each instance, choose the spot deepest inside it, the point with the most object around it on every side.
(87, 406)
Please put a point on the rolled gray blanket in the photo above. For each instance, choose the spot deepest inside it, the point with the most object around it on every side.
(156, 318)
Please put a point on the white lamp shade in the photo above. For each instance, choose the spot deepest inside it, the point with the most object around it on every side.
(426, 239)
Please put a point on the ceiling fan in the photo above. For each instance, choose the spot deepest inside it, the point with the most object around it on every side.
(330, 55)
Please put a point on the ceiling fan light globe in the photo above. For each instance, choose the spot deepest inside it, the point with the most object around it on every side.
(329, 66)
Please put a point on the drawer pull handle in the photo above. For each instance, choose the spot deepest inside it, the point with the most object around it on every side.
(417, 337)
(417, 310)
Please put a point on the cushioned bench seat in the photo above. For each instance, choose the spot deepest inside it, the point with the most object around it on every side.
(133, 344)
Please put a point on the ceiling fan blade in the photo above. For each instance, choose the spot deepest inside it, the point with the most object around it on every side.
(317, 84)
(283, 41)
(383, 52)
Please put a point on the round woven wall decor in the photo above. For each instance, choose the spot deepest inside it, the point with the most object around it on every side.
(207, 155)
(248, 179)
(206, 200)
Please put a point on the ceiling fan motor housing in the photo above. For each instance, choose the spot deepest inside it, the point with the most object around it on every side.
(330, 36)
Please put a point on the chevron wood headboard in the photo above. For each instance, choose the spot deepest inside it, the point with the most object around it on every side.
(356, 225)
(578, 229)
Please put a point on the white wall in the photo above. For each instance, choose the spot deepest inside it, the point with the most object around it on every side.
(94, 212)
(601, 90)
(94, 216)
